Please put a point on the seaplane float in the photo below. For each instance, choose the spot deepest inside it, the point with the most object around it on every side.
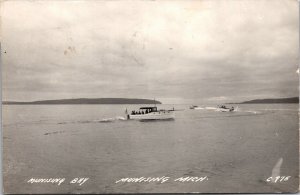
(150, 113)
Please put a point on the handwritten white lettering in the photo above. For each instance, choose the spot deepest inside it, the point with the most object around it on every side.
(191, 179)
(57, 181)
(144, 179)
(79, 181)
(278, 179)
(162, 179)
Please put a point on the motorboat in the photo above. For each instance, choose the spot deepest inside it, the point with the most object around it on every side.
(193, 107)
(151, 113)
(223, 108)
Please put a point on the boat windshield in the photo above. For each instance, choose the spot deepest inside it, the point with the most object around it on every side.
(144, 110)
(150, 109)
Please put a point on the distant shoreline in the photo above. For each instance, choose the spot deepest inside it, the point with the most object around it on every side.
(112, 101)
(292, 100)
(85, 101)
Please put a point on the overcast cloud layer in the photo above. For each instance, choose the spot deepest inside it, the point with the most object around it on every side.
(176, 51)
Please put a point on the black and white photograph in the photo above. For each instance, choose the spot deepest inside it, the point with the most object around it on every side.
(150, 96)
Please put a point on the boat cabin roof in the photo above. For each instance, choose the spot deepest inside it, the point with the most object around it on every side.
(153, 107)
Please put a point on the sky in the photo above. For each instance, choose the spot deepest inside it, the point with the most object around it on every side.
(209, 51)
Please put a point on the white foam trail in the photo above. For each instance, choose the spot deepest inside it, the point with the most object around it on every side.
(199, 108)
(121, 118)
(278, 109)
(210, 108)
(107, 120)
(254, 112)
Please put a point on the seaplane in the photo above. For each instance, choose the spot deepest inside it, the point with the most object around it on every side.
(150, 113)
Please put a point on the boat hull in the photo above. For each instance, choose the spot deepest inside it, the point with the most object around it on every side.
(153, 116)
(224, 110)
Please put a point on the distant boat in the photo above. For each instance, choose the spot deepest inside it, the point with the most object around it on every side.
(151, 113)
(223, 108)
(193, 107)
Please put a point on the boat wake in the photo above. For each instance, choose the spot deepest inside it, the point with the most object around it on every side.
(157, 120)
(103, 120)
(117, 118)
(253, 112)
(211, 108)
(236, 110)
(204, 108)
(199, 108)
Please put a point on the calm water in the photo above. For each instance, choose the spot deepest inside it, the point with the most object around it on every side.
(236, 151)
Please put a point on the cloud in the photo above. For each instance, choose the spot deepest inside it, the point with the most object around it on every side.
(194, 50)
